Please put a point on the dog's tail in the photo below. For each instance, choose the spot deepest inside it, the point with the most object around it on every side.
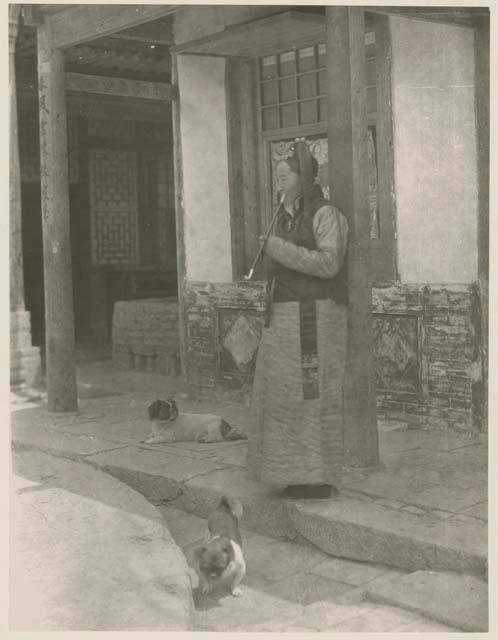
(229, 433)
(233, 505)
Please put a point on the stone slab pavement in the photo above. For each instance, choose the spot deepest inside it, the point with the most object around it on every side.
(89, 553)
(425, 508)
(292, 588)
(460, 599)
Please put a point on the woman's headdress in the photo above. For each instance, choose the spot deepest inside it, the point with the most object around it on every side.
(307, 167)
(302, 162)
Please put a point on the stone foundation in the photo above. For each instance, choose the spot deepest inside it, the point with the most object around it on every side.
(427, 349)
(25, 362)
(427, 344)
(145, 335)
(446, 386)
(211, 311)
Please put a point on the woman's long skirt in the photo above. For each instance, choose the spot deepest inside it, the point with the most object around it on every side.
(296, 434)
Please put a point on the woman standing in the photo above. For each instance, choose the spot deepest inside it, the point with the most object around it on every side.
(296, 440)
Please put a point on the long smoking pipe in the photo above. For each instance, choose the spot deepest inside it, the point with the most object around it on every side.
(263, 244)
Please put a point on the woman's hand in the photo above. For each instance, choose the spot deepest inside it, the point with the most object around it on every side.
(263, 241)
(330, 229)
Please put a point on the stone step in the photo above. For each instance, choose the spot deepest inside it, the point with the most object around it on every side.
(292, 588)
(455, 599)
(343, 527)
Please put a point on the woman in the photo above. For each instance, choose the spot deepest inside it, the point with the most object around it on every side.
(296, 439)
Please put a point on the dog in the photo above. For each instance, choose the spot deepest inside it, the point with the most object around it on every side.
(169, 425)
(220, 558)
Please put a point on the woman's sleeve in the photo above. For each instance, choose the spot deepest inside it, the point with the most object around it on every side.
(330, 228)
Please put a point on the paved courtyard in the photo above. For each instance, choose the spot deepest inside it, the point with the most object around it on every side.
(424, 509)
(292, 588)
(429, 473)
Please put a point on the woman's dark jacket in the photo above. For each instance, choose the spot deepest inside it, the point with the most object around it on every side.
(308, 253)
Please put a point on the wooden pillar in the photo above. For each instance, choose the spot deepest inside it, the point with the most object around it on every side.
(15, 245)
(59, 313)
(348, 162)
(481, 83)
(179, 217)
(25, 363)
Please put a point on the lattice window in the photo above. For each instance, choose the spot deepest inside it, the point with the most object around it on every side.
(292, 88)
(113, 202)
(293, 95)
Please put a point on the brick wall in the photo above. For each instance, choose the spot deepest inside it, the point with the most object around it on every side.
(145, 335)
(448, 393)
(427, 349)
(205, 305)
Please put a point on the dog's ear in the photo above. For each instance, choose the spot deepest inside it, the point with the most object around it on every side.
(153, 409)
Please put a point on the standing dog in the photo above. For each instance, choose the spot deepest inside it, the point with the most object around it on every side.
(221, 557)
(169, 425)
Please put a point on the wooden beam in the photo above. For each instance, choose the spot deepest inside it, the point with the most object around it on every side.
(158, 32)
(249, 148)
(86, 22)
(482, 100)
(242, 162)
(104, 107)
(383, 249)
(179, 222)
(88, 106)
(442, 15)
(233, 97)
(348, 163)
(87, 58)
(260, 37)
(122, 87)
(59, 313)
(142, 39)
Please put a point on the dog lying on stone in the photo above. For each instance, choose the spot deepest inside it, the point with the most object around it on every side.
(169, 425)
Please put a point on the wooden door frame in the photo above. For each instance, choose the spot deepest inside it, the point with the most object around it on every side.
(384, 248)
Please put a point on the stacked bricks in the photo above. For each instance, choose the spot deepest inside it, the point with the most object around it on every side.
(450, 395)
(145, 335)
(25, 361)
(450, 353)
(202, 304)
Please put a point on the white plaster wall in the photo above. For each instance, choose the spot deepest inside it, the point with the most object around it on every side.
(205, 168)
(434, 151)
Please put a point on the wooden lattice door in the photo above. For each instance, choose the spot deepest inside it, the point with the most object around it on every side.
(113, 207)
